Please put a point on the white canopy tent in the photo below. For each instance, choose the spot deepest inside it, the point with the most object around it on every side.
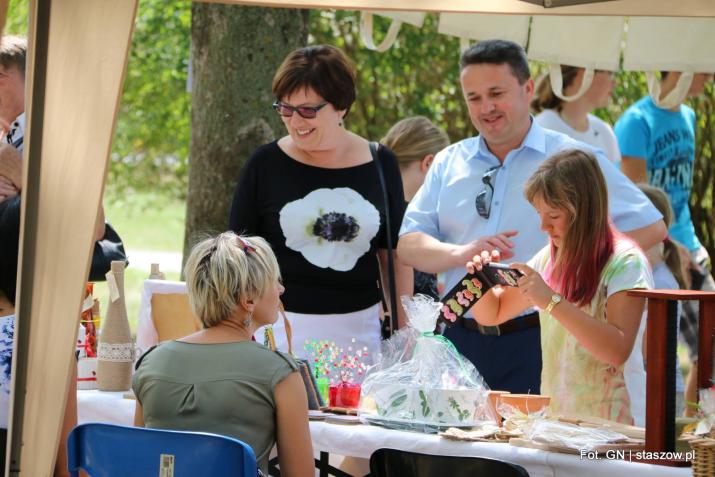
(78, 55)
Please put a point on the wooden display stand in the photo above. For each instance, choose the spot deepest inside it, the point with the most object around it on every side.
(660, 367)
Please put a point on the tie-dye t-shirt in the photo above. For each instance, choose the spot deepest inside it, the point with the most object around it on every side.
(579, 384)
(7, 332)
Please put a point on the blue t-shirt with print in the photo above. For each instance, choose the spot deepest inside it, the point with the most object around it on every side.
(666, 139)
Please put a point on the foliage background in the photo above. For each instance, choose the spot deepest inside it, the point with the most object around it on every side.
(418, 75)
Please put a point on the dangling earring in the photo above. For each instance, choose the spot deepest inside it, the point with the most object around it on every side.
(340, 123)
(249, 319)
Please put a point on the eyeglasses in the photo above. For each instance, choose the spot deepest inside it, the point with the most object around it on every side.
(307, 112)
(484, 197)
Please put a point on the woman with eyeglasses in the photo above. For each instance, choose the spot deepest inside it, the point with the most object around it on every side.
(218, 379)
(315, 194)
(579, 284)
(574, 117)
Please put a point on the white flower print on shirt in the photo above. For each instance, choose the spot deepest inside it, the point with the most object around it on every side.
(331, 228)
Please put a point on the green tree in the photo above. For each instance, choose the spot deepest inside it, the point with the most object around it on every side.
(151, 141)
(235, 52)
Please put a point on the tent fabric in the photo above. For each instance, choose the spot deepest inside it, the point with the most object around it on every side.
(676, 96)
(589, 42)
(682, 8)
(479, 26)
(672, 44)
(366, 28)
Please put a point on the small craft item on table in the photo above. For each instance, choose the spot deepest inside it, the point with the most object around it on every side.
(87, 341)
(486, 432)
(421, 382)
(338, 371)
(472, 287)
(345, 419)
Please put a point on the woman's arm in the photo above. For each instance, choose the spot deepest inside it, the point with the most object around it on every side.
(404, 282)
(295, 449)
(138, 415)
(610, 342)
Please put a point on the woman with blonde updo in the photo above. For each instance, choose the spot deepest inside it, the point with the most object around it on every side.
(415, 141)
(574, 118)
(218, 379)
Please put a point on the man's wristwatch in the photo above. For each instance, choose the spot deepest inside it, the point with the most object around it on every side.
(555, 300)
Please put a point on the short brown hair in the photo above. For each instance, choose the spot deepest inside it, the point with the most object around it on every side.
(323, 68)
(498, 52)
(13, 52)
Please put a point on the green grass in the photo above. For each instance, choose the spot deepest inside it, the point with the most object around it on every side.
(147, 221)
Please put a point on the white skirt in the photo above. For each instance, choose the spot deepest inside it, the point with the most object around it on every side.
(349, 331)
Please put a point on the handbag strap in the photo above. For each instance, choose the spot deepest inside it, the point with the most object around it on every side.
(388, 232)
(268, 332)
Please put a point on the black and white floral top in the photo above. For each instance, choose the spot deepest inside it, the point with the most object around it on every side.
(7, 333)
(325, 226)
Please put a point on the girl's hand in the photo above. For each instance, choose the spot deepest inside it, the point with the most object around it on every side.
(532, 287)
(478, 261)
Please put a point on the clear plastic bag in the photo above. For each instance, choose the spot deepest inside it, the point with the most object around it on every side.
(421, 382)
(570, 436)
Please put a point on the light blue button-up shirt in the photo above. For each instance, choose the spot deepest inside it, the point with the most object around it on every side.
(444, 207)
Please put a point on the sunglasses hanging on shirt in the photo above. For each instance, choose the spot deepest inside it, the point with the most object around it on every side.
(483, 200)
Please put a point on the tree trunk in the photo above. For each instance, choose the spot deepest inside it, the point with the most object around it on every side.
(235, 51)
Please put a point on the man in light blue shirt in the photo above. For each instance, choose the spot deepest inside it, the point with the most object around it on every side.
(473, 200)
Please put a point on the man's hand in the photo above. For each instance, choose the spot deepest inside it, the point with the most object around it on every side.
(499, 242)
(7, 189)
(11, 165)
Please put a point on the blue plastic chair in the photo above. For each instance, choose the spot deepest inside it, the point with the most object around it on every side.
(106, 450)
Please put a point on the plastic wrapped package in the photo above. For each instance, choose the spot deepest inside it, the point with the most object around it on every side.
(421, 382)
(569, 436)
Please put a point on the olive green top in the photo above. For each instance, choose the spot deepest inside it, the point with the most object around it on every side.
(220, 388)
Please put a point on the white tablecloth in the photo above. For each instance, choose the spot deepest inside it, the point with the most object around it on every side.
(362, 441)
(101, 406)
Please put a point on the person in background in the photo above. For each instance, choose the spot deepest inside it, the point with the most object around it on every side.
(658, 147)
(9, 251)
(472, 200)
(13, 52)
(574, 118)
(316, 196)
(218, 379)
(13, 55)
(670, 272)
(415, 141)
(579, 284)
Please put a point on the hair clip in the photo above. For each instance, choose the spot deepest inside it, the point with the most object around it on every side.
(245, 244)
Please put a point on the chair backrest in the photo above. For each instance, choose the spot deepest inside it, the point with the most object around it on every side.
(164, 313)
(104, 450)
(397, 463)
(172, 316)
